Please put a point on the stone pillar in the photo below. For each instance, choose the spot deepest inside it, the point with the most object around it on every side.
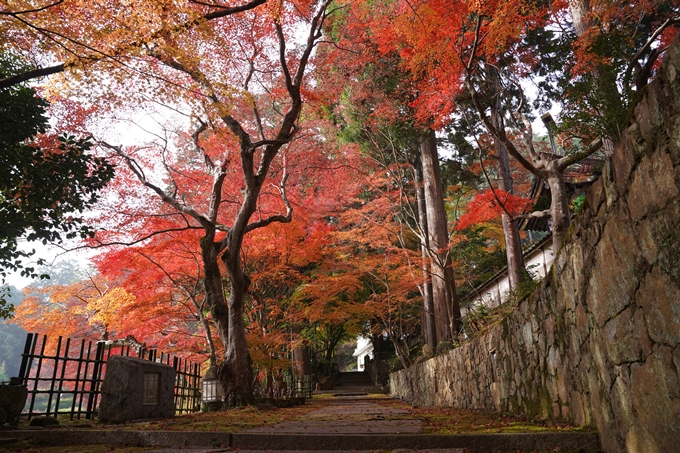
(136, 389)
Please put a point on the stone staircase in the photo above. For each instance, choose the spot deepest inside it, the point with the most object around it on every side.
(357, 382)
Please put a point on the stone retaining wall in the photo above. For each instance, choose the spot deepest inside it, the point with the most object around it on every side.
(597, 343)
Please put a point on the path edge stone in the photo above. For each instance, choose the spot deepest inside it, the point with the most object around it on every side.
(472, 442)
(173, 439)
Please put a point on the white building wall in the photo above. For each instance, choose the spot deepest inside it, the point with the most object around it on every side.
(364, 347)
(495, 292)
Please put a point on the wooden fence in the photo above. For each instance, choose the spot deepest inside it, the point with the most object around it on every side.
(300, 386)
(66, 377)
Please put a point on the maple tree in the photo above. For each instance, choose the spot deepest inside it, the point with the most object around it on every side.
(89, 308)
(166, 272)
(240, 82)
(280, 260)
(165, 276)
(367, 281)
(490, 204)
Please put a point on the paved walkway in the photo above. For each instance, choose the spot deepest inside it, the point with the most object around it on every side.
(348, 415)
(343, 424)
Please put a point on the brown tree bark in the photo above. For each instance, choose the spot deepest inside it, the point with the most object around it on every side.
(445, 300)
(513, 247)
(301, 365)
(428, 319)
(579, 15)
(212, 282)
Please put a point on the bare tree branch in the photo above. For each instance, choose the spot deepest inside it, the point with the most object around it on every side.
(564, 162)
(288, 217)
(534, 215)
(634, 60)
(28, 11)
(32, 74)
(138, 172)
(36, 73)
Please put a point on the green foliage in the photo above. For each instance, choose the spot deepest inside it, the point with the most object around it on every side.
(477, 261)
(42, 190)
(577, 202)
(6, 309)
(542, 203)
(597, 89)
(344, 358)
(593, 93)
(475, 319)
(525, 288)
(445, 346)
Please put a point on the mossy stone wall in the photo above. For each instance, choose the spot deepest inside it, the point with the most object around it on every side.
(598, 341)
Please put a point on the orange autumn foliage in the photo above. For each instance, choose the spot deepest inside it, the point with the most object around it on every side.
(485, 206)
(90, 309)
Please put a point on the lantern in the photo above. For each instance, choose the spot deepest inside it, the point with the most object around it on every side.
(212, 389)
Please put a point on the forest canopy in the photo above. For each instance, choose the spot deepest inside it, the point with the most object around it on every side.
(290, 174)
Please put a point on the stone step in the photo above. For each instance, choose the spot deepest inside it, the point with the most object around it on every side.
(225, 441)
(355, 378)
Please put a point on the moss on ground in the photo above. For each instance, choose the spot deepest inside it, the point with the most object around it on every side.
(435, 420)
(460, 421)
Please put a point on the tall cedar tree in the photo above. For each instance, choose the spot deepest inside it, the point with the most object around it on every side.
(377, 84)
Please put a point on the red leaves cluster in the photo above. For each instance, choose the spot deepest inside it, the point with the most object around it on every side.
(485, 206)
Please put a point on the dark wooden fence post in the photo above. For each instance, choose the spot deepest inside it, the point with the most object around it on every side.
(94, 383)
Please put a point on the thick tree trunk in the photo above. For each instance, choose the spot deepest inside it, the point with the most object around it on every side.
(513, 246)
(513, 252)
(428, 323)
(212, 281)
(446, 309)
(301, 366)
(579, 15)
(559, 208)
(208, 335)
(235, 372)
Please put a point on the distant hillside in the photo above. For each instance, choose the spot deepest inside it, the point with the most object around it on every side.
(12, 340)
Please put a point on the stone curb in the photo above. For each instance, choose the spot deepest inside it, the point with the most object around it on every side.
(174, 439)
(180, 439)
(472, 442)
